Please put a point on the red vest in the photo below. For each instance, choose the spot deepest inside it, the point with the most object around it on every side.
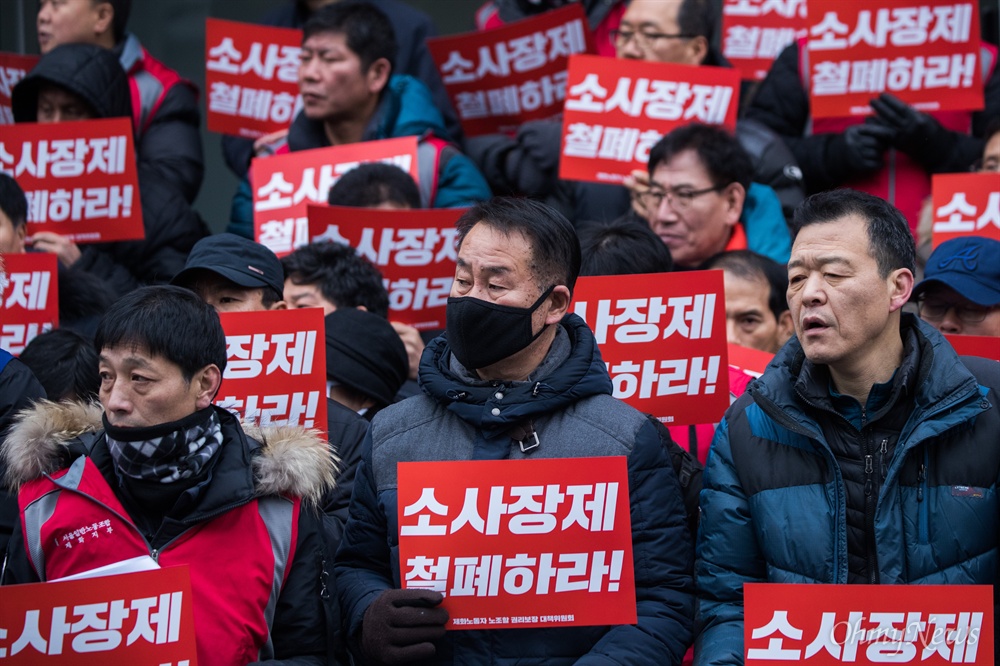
(149, 82)
(238, 560)
(902, 182)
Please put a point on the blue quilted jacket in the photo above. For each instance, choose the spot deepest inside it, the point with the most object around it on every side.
(773, 501)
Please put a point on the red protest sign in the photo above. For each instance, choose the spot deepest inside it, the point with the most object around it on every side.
(965, 204)
(13, 68)
(29, 298)
(867, 624)
(749, 361)
(617, 109)
(252, 77)
(550, 545)
(666, 354)
(135, 618)
(926, 52)
(985, 346)
(284, 185)
(755, 31)
(500, 78)
(275, 367)
(79, 177)
(413, 249)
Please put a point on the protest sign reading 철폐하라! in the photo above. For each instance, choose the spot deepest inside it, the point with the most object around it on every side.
(276, 367)
(513, 544)
(79, 178)
(754, 32)
(663, 339)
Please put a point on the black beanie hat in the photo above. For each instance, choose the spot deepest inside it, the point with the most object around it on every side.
(364, 352)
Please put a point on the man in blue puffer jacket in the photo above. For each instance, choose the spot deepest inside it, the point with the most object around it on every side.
(867, 452)
(514, 361)
(350, 95)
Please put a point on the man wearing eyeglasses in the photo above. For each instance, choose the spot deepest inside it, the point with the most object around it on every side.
(960, 293)
(700, 200)
(667, 31)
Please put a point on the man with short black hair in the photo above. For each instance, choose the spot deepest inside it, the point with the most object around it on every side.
(332, 276)
(514, 358)
(840, 463)
(351, 94)
(178, 483)
(165, 111)
(375, 185)
(757, 314)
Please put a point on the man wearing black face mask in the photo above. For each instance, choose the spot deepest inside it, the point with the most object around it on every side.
(515, 376)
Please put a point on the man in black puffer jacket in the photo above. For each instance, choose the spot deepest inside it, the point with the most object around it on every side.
(98, 88)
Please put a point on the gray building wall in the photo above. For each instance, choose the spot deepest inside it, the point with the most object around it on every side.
(174, 32)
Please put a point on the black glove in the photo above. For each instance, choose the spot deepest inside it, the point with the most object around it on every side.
(400, 627)
(862, 146)
(915, 133)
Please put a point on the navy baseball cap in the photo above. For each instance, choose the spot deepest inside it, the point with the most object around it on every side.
(970, 265)
(239, 260)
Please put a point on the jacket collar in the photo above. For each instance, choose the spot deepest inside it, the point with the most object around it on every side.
(572, 370)
(276, 460)
(930, 374)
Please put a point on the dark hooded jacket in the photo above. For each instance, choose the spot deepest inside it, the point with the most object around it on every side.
(172, 227)
(460, 417)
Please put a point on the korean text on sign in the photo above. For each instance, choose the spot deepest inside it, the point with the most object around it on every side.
(926, 52)
(617, 109)
(276, 367)
(666, 353)
(251, 74)
(550, 544)
(500, 78)
(132, 618)
(415, 250)
(754, 32)
(13, 68)
(284, 185)
(79, 178)
(965, 204)
(868, 624)
(29, 298)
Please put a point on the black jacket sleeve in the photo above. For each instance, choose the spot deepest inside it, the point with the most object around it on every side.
(782, 103)
(172, 228)
(171, 144)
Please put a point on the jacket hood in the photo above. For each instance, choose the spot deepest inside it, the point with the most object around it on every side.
(46, 438)
(90, 72)
(581, 375)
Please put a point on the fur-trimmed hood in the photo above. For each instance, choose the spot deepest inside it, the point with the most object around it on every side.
(48, 436)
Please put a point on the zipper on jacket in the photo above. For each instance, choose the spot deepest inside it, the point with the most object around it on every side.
(922, 510)
(155, 554)
(883, 470)
(870, 501)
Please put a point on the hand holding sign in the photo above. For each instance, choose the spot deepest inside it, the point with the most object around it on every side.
(864, 146)
(913, 132)
(401, 626)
